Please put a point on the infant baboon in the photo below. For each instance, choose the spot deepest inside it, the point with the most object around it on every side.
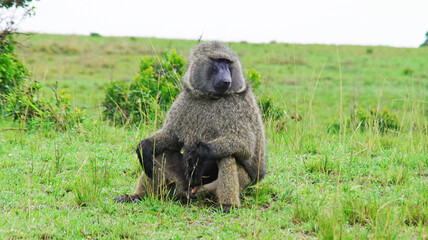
(216, 123)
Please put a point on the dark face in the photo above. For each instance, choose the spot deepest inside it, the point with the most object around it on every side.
(215, 77)
(220, 75)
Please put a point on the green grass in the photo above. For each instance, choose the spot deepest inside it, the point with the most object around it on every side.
(349, 184)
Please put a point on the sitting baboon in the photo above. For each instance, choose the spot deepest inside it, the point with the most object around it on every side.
(216, 123)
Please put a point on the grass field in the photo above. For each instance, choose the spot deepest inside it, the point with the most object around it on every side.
(348, 183)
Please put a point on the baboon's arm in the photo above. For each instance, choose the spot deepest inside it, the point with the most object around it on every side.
(163, 140)
(154, 145)
(243, 178)
(238, 146)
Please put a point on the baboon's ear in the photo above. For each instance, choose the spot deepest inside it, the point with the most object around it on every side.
(239, 82)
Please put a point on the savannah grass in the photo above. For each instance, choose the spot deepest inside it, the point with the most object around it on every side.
(358, 182)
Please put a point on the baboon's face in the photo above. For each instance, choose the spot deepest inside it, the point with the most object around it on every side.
(214, 70)
(219, 75)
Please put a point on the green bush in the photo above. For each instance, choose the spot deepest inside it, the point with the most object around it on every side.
(12, 71)
(159, 79)
(254, 78)
(150, 94)
(269, 110)
(20, 97)
(26, 104)
(116, 103)
(383, 120)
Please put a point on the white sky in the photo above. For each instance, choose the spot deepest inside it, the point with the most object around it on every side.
(360, 22)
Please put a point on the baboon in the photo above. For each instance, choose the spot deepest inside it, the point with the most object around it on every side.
(212, 139)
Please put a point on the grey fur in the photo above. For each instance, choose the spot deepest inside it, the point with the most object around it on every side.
(230, 123)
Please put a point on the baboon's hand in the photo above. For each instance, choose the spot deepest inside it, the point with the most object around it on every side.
(145, 155)
(195, 157)
(204, 151)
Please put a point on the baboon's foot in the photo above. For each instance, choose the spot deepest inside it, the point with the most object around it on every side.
(191, 195)
(127, 199)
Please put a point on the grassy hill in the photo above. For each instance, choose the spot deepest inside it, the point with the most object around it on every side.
(331, 173)
(303, 72)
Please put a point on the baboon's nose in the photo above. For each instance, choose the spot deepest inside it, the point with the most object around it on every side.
(226, 82)
(222, 85)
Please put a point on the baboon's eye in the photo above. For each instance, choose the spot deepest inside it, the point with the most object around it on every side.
(224, 60)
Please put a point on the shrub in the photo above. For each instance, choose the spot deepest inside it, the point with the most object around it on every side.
(153, 90)
(269, 110)
(19, 96)
(26, 104)
(116, 104)
(254, 78)
(159, 79)
(12, 71)
(384, 120)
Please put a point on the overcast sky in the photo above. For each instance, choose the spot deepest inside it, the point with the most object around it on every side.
(360, 22)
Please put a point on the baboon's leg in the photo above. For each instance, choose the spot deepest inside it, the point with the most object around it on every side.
(227, 191)
(144, 186)
(168, 178)
(173, 173)
(243, 178)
